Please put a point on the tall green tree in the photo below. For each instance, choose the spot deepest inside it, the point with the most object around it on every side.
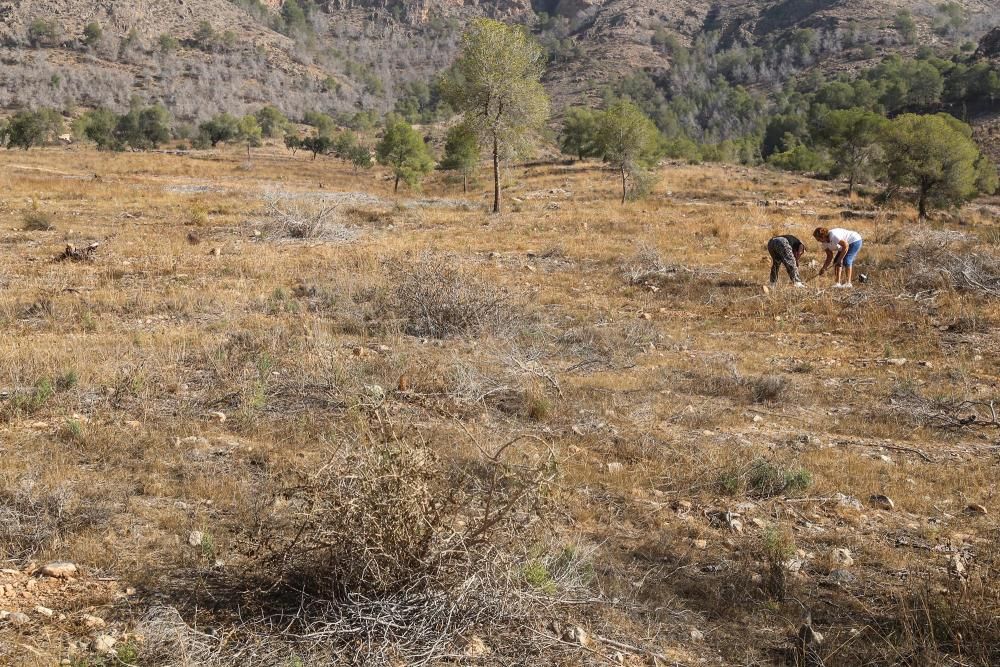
(853, 137)
(629, 141)
(403, 149)
(496, 84)
(461, 152)
(579, 133)
(936, 155)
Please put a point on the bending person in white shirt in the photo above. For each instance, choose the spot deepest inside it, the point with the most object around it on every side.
(841, 246)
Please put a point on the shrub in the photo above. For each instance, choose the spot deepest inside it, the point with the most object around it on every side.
(37, 220)
(434, 296)
(763, 479)
(44, 32)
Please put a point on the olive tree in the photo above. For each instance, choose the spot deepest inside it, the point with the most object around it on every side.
(496, 85)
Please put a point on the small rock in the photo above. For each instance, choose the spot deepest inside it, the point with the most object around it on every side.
(696, 635)
(104, 644)
(884, 458)
(18, 618)
(847, 501)
(59, 569)
(615, 467)
(882, 502)
(44, 611)
(195, 538)
(476, 647)
(700, 544)
(956, 567)
(793, 565)
(975, 508)
(895, 362)
(683, 505)
(217, 416)
(842, 557)
(757, 419)
(93, 622)
(842, 576)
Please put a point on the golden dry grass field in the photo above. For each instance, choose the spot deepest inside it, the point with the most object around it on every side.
(280, 417)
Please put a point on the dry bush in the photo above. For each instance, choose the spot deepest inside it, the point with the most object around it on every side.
(769, 389)
(435, 296)
(285, 217)
(33, 519)
(946, 260)
(37, 220)
(387, 553)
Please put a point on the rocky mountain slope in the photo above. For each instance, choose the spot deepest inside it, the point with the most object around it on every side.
(345, 55)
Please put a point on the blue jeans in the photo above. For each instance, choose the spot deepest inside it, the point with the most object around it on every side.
(852, 252)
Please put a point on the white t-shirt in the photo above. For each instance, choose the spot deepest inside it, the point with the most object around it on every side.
(837, 235)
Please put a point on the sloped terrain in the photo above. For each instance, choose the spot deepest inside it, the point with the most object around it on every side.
(624, 449)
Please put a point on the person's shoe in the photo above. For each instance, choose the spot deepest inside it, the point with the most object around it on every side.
(800, 284)
(847, 286)
(840, 286)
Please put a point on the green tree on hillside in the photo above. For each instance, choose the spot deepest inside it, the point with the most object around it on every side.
(629, 141)
(222, 128)
(272, 122)
(579, 133)
(318, 144)
(92, 34)
(98, 125)
(496, 84)
(853, 137)
(461, 152)
(27, 129)
(403, 149)
(936, 155)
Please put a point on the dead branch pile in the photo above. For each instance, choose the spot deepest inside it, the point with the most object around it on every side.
(299, 219)
(947, 413)
(435, 296)
(74, 254)
(944, 260)
(646, 267)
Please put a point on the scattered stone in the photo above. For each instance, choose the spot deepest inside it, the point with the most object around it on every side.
(59, 569)
(44, 611)
(195, 538)
(93, 622)
(104, 644)
(882, 502)
(884, 458)
(842, 576)
(700, 544)
(697, 635)
(18, 618)
(975, 508)
(899, 361)
(842, 557)
(217, 416)
(847, 501)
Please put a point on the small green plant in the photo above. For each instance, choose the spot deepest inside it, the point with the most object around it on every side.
(538, 406)
(763, 479)
(538, 577)
(71, 431)
(67, 380)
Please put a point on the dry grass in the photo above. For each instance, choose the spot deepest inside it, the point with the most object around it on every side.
(688, 453)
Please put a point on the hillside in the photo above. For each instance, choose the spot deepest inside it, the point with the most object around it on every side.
(345, 55)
